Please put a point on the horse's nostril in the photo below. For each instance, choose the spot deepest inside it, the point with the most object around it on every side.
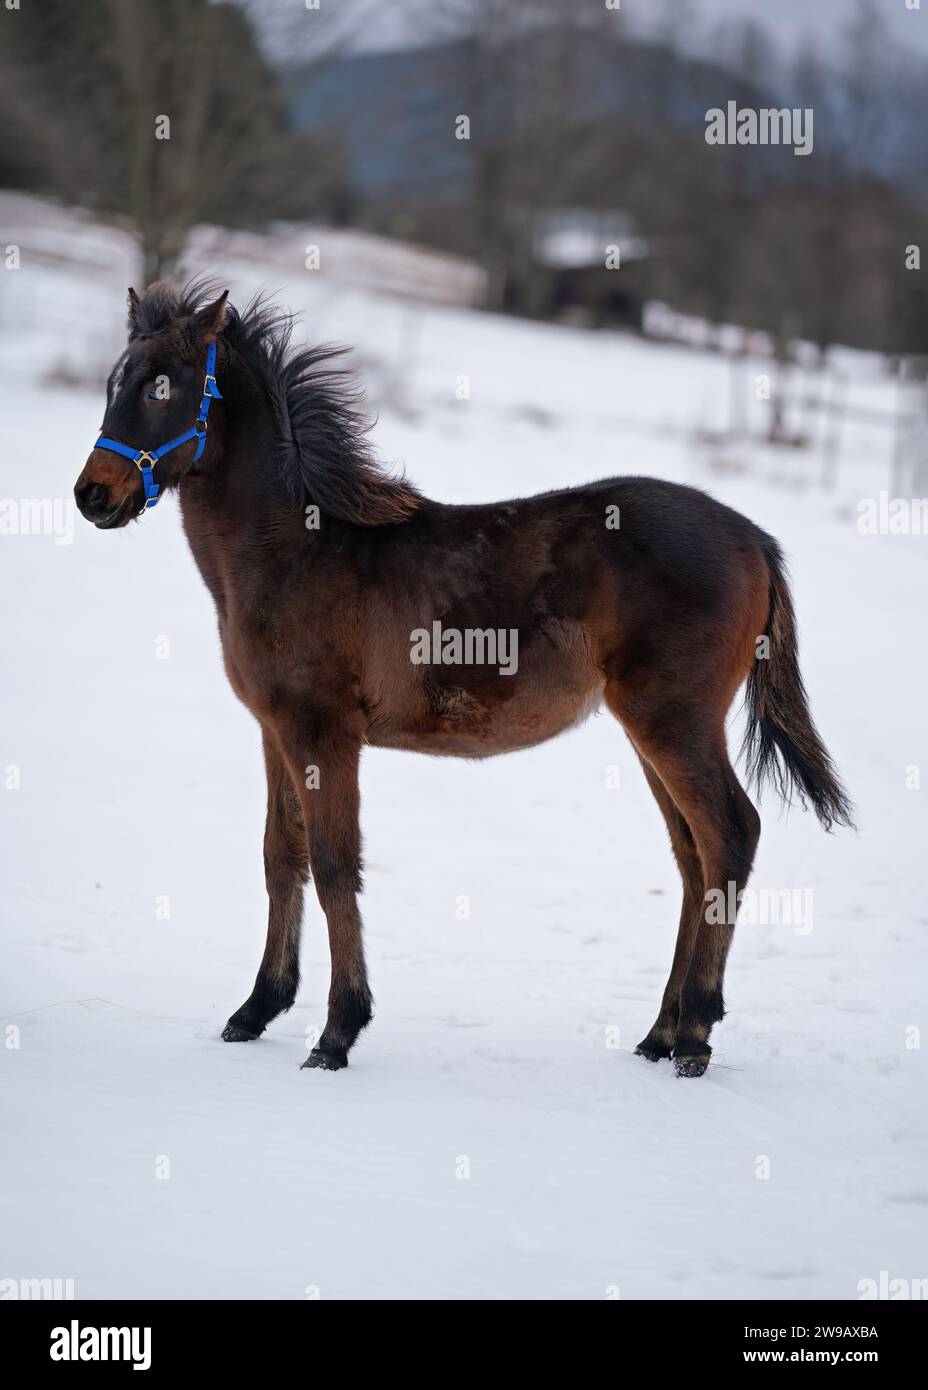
(94, 497)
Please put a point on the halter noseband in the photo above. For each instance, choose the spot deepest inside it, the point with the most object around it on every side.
(146, 460)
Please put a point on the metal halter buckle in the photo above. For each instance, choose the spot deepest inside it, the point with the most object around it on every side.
(140, 461)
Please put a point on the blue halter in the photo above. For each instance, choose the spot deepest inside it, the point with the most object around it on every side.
(211, 393)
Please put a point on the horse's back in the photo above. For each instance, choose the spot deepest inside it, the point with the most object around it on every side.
(610, 581)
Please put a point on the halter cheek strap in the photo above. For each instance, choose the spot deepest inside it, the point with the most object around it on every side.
(147, 459)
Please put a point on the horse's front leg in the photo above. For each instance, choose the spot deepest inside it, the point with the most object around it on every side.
(286, 860)
(324, 760)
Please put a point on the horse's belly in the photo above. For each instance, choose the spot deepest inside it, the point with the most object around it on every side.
(467, 724)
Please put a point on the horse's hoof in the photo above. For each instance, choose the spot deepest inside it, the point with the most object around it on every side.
(653, 1051)
(234, 1032)
(328, 1061)
(691, 1066)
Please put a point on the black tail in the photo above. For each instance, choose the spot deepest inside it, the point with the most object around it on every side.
(781, 741)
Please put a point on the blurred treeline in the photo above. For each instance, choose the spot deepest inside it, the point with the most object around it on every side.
(571, 109)
(568, 110)
(83, 84)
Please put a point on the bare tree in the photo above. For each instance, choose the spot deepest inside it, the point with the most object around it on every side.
(165, 113)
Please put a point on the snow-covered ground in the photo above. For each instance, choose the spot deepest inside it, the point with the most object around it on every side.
(494, 1136)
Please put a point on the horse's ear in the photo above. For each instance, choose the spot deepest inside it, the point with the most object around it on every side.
(210, 322)
(133, 302)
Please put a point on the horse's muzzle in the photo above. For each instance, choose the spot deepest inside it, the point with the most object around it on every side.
(106, 493)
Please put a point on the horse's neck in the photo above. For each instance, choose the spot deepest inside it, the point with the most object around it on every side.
(236, 514)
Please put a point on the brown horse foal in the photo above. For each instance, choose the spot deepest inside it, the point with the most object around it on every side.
(354, 610)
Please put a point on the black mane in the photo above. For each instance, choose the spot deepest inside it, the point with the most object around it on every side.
(323, 453)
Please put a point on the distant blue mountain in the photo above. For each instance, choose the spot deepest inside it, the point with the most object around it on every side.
(393, 112)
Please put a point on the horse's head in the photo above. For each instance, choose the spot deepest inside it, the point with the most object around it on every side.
(155, 396)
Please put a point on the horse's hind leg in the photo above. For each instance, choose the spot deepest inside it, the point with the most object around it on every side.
(286, 859)
(726, 828)
(663, 1033)
(690, 758)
